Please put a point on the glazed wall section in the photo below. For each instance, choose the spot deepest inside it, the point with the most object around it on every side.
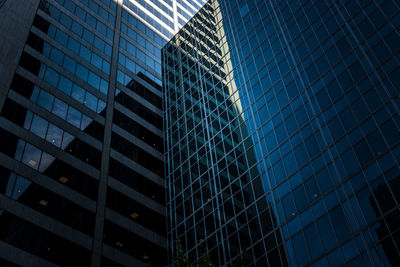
(76, 187)
(317, 85)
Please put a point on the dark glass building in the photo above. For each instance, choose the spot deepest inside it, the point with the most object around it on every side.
(81, 131)
(282, 131)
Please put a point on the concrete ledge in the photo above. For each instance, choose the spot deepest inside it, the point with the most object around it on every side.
(45, 222)
(21, 257)
(122, 258)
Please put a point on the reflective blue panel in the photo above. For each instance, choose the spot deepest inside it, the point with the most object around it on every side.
(312, 89)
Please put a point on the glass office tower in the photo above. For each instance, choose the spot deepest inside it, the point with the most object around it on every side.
(81, 147)
(282, 128)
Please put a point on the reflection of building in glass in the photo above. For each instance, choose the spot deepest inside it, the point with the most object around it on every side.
(304, 95)
(383, 203)
(81, 163)
(214, 183)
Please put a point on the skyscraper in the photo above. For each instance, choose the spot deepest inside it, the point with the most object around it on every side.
(81, 152)
(282, 129)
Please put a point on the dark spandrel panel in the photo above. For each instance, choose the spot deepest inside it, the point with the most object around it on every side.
(105, 262)
(15, 113)
(40, 242)
(9, 145)
(76, 179)
(85, 152)
(4, 185)
(131, 244)
(41, 23)
(147, 79)
(306, 94)
(6, 263)
(145, 93)
(138, 130)
(129, 177)
(139, 109)
(30, 63)
(137, 154)
(23, 86)
(45, 201)
(136, 211)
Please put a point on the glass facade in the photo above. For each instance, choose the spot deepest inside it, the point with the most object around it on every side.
(282, 133)
(81, 136)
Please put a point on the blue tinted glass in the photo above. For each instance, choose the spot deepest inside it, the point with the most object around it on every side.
(61, 37)
(39, 126)
(91, 101)
(73, 45)
(74, 117)
(69, 64)
(60, 108)
(78, 93)
(51, 77)
(31, 156)
(45, 100)
(54, 135)
(82, 72)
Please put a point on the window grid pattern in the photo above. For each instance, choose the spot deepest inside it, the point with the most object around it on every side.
(310, 113)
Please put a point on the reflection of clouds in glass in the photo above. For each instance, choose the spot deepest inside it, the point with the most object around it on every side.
(21, 184)
(78, 93)
(82, 72)
(91, 101)
(16, 186)
(85, 122)
(60, 109)
(31, 156)
(39, 126)
(66, 140)
(35, 158)
(103, 86)
(45, 161)
(74, 117)
(51, 77)
(94, 80)
(45, 100)
(101, 106)
(54, 135)
(65, 85)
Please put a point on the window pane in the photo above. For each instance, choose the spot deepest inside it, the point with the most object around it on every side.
(60, 108)
(31, 156)
(39, 126)
(54, 135)
(74, 117)
(78, 93)
(45, 100)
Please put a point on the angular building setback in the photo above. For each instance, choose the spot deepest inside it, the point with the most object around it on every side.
(81, 131)
(282, 130)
